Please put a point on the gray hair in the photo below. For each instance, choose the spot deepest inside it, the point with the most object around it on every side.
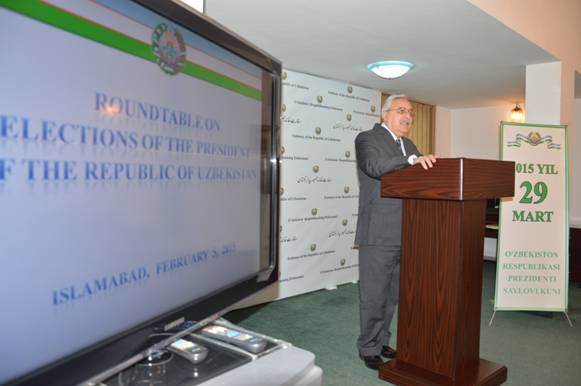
(390, 99)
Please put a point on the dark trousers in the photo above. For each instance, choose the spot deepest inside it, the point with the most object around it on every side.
(378, 296)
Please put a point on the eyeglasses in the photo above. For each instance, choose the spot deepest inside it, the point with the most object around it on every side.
(403, 110)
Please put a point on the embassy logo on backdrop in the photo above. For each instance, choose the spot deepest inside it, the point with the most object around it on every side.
(313, 217)
(293, 198)
(347, 127)
(169, 48)
(349, 89)
(346, 158)
(292, 157)
(313, 180)
(345, 195)
(287, 238)
(340, 267)
(317, 136)
(312, 253)
(342, 232)
(372, 114)
(286, 119)
(319, 105)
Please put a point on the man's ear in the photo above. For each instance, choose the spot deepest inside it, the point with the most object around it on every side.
(383, 116)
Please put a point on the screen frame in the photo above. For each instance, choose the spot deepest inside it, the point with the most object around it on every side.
(127, 347)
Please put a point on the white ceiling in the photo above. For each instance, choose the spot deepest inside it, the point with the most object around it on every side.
(463, 56)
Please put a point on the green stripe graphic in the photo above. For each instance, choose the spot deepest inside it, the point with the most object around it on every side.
(77, 25)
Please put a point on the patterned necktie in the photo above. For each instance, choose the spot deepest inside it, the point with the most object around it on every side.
(398, 141)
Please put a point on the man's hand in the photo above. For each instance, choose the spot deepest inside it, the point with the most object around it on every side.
(427, 161)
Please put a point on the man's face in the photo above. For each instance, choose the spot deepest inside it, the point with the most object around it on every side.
(399, 117)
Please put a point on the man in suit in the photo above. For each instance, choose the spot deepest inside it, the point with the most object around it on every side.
(382, 149)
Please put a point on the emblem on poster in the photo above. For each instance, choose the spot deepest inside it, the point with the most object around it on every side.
(169, 48)
(533, 139)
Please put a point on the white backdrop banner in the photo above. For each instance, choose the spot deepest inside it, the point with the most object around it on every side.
(319, 186)
(320, 190)
(534, 224)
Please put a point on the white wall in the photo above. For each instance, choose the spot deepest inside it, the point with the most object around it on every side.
(543, 93)
(443, 129)
(552, 25)
(575, 167)
(474, 133)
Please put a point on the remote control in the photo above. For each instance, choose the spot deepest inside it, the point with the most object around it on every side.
(251, 343)
(191, 351)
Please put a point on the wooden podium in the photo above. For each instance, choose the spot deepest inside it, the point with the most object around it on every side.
(438, 331)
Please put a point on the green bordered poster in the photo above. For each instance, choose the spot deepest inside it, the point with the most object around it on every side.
(532, 260)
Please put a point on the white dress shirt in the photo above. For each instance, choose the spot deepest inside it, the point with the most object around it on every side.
(412, 158)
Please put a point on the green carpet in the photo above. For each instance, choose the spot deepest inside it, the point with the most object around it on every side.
(537, 350)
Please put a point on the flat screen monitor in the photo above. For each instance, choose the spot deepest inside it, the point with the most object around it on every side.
(138, 179)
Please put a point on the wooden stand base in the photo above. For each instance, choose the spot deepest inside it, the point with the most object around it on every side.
(439, 314)
(485, 373)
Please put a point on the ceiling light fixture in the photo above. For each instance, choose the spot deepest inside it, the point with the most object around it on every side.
(517, 114)
(390, 69)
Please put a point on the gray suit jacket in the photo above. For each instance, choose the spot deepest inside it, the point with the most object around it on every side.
(379, 220)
